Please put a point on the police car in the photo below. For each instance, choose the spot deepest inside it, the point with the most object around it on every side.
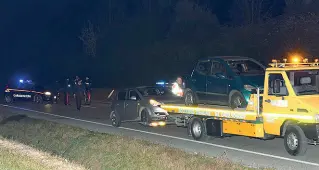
(26, 90)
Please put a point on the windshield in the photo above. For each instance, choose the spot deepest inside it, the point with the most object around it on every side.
(244, 67)
(304, 82)
(153, 91)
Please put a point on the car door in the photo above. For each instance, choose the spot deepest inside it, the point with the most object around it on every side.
(132, 104)
(276, 101)
(119, 105)
(23, 92)
(217, 84)
(199, 79)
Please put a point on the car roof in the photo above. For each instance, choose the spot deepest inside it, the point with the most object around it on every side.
(138, 87)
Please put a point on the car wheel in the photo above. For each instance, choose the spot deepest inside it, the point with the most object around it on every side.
(38, 99)
(237, 101)
(144, 117)
(197, 128)
(115, 118)
(8, 99)
(190, 99)
(295, 141)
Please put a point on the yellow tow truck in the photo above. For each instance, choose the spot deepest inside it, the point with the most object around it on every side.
(287, 106)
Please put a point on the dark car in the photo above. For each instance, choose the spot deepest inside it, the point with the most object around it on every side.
(142, 104)
(26, 91)
(224, 80)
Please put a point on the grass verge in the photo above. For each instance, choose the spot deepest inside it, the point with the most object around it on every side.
(16, 156)
(103, 151)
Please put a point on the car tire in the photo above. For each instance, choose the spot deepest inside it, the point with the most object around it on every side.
(38, 99)
(116, 119)
(144, 117)
(295, 141)
(237, 101)
(190, 98)
(197, 128)
(8, 99)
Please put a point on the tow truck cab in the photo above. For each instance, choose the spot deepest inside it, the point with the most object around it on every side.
(291, 93)
(286, 107)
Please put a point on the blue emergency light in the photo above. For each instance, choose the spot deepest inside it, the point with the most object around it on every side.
(160, 83)
(21, 81)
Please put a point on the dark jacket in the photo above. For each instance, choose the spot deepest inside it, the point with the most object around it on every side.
(79, 88)
(87, 84)
(68, 86)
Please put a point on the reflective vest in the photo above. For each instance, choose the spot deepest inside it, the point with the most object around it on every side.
(177, 90)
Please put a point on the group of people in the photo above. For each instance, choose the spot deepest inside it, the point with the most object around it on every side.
(78, 89)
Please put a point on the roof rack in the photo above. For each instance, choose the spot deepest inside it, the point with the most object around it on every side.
(296, 63)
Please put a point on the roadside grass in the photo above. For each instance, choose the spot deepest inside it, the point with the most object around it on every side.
(15, 161)
(16, 156)
(96, 150)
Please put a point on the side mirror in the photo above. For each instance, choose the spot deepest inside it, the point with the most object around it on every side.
(277, 86)
(220, 75)
(133, 98)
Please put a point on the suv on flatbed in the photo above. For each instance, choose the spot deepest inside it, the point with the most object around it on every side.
(224, 80)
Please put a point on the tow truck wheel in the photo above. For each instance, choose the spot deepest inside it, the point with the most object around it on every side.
(295, 141)
(189, 98)
(8, 99)
(116, 119)
(197, 128)
(237, 101)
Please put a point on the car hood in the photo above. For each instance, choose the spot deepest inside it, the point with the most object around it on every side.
(253, 80)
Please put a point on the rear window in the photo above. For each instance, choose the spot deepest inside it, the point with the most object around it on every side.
(153, 91)
(121, 95)
(204, 67)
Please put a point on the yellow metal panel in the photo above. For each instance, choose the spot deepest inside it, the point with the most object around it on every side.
(211, 111)
(243, 129)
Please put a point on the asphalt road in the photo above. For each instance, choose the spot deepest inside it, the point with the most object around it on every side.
(251, 152)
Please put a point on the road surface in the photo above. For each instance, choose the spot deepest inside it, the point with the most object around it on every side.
(251, 152)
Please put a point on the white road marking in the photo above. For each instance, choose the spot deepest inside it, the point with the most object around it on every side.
(173, 137)
(89, 106)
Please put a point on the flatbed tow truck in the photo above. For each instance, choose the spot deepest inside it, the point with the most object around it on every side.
(287, 106)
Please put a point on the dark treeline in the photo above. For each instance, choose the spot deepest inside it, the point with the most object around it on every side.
(133, 42)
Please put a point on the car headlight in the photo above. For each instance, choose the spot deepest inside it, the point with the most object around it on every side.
(47, 93)
(154, 103)
(249, 87)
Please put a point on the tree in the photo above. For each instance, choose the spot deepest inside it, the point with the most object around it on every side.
(89, 36)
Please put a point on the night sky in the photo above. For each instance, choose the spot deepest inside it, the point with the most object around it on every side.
(40, 38)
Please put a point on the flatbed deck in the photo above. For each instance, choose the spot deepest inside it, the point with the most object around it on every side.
(214, 111)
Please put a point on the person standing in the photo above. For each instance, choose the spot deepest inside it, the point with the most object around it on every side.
(79, 91)
(178, 87)
(88, 90)
(77, 78)
(67, 91)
